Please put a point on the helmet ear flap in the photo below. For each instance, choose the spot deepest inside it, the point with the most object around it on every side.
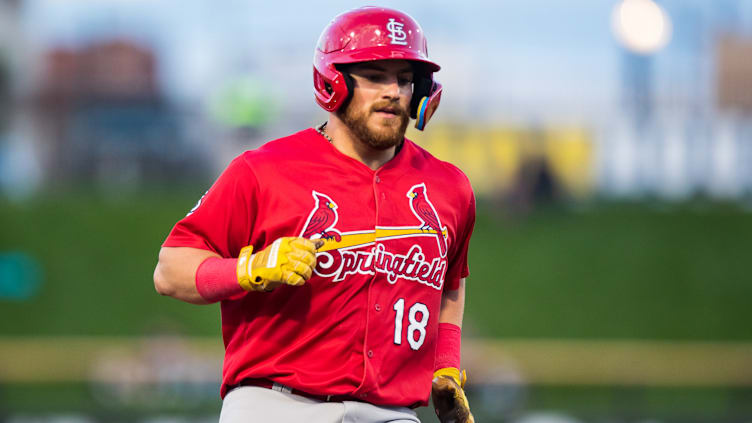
(427, 105)
(349, 83)
(332, 87)
(422, 85)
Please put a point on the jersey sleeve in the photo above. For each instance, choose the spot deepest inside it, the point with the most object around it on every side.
(457, 266)
(222, 220)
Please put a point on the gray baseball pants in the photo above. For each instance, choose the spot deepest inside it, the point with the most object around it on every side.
(249, 404)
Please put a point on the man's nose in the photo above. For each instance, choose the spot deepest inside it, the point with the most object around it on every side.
(391, 88)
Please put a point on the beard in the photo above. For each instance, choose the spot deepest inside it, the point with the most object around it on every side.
(386, 134)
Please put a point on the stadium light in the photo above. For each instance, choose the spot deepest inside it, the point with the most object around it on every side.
(641, 26)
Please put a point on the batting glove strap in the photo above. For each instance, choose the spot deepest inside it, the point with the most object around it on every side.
(244, 277)
(460, 377)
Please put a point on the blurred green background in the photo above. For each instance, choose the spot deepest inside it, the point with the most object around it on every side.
(605, 270)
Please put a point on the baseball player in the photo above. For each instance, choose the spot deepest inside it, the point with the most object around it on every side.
(338, 253)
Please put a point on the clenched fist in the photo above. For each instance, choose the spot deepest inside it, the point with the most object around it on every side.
(288, 260)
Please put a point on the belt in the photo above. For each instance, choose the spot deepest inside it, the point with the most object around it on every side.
(269, 384)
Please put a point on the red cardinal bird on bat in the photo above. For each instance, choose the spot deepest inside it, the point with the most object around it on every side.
(424, 210)
(322, 219)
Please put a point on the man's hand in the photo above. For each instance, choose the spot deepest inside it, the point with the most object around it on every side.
(449, 398)
(288, 261)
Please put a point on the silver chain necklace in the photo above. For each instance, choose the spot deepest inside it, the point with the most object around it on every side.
(320, 130)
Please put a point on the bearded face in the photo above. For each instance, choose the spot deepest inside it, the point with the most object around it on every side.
(371, 126)
(377, 113)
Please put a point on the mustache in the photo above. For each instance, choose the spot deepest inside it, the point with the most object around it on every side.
(393, 107)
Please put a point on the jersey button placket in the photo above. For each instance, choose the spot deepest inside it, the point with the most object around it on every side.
(376, 306)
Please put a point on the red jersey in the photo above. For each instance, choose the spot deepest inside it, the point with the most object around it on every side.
(365, 324)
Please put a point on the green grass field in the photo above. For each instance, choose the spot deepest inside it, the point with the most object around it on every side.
(97, 257)
(609, 271)
(614, 271)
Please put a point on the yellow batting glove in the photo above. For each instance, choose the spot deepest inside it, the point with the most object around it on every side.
(288, 260)
(448, 396)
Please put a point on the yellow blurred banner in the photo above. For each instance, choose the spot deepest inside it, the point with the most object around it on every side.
(618, 363)
(494, 157)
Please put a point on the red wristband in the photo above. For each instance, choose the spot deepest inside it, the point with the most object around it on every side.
(448, 346)
(217, 279)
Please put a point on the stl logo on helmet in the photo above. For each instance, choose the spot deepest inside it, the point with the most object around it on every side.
(396, 33)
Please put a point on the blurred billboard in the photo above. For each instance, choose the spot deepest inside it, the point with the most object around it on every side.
(735, 74)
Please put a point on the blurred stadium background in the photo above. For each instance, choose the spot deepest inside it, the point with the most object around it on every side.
(609, 143)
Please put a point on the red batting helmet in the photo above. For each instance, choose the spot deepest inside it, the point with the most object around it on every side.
(367, 34)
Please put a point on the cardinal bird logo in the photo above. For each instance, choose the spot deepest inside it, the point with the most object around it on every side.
(321, 221)
(424, 210)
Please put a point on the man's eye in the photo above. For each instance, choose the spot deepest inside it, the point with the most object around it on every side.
(405, 81)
